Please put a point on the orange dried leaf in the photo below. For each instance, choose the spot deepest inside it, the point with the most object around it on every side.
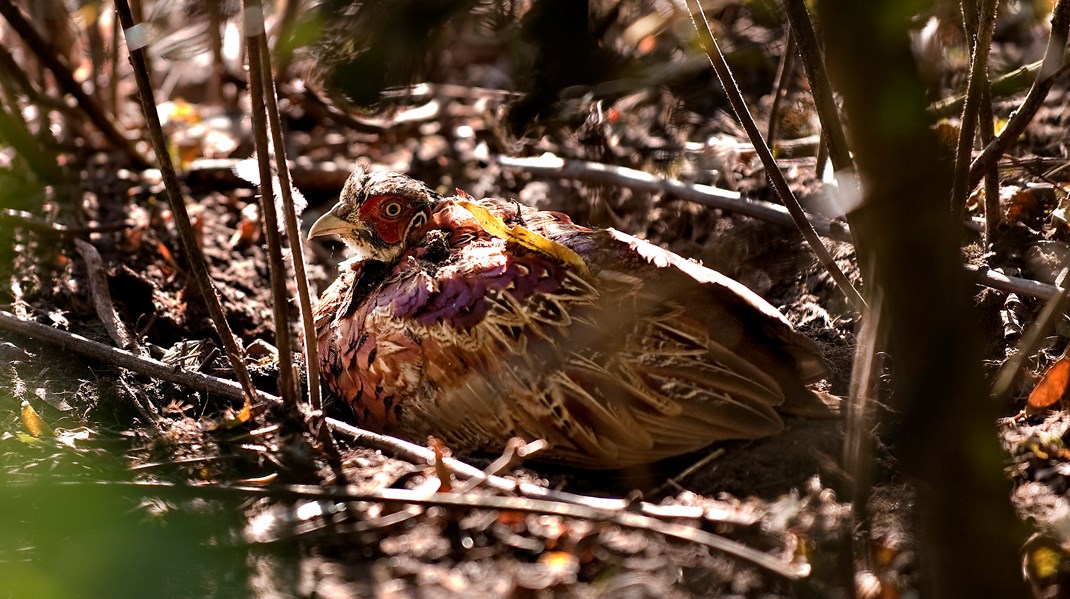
(243, 416)
(511, 517)
(1051, 388)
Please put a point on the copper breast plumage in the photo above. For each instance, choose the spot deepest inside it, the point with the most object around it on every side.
(629, 356)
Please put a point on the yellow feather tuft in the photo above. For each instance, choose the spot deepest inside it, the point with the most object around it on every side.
(524, 237)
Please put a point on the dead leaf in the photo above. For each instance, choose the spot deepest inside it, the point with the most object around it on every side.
(34, 424)
(1023, 205)
(243, 416)
(1050, 389)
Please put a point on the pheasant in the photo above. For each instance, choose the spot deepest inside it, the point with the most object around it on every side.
(480, 320)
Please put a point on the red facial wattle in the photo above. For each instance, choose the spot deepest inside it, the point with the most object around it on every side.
(388, 229)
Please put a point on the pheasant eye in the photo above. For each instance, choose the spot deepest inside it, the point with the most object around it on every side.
(392, 209)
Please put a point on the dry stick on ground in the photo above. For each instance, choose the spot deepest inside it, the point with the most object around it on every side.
(1053, 62)
(352, 493)
(194, 255)
(113, 355)
(713, 51)
(254, 29)
(985, 22)
(39, 225)
(706, 195)
(1030, 341)
(293, 231)
(98, 290)
(62, 72)
(1005, 85)
(733, 202)
(420, 454)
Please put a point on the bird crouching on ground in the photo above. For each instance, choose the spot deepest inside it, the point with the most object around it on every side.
(480, 320)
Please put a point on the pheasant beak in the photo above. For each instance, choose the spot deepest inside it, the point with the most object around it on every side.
(329, 224)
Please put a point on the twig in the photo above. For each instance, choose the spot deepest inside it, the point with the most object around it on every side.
(352, 493)
(707, 195)
(254, 29)
(40, 225)
(997, 280)
(65, 79)
(113, 355)
(810, 51)
(98, 290)
(720, 65)
(1053, 61)
(1003, 86)
(993, 215)
(419, 454)
(1030, 341)
(293, 233)
(194, 255)
(515, 451)
(780, 85)
(687, 472)
(835, 147)
(985, 22)
(732, 201)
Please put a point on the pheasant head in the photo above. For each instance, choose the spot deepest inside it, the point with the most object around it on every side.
(378, 214)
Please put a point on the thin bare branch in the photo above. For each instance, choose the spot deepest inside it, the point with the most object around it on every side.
(62, 72)
(780, 85)
(293, 232)
(353, 493)
(978, 82)
(1052, 64)
(113, 355)
(810, 50)
(713, 51)
(193, 251)
(254, 23)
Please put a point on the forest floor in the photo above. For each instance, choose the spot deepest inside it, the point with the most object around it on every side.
(135, 484)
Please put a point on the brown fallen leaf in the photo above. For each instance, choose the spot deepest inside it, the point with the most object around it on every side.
(1050, 389)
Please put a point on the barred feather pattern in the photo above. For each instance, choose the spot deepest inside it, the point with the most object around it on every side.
(473, 339)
